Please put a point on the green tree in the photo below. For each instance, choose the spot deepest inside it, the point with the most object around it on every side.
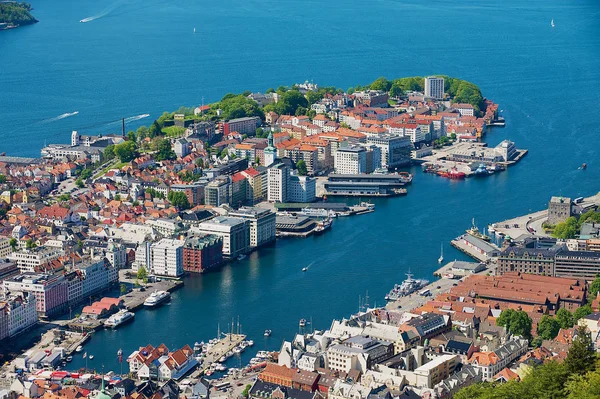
(590, 216)
(126, 151)
(581, 357)
(109, 152)
(567, 229)
(13, 243)
(564, 318)
(154, 130)
(178, 199)
(141, 132)
(582, 311)
(505, 318)
(164, 150)
(289, 102)
(381, 84)
(301, 166)
(64, 197)
(131, 136)
(548, 327)
(594, 288)
(123, 289)
(79, 183)
(2, 179)
(515, 322)
(200, 163)
(142, 274)
(29, 244)
(584, 386)
(395, 90)
(246, 391)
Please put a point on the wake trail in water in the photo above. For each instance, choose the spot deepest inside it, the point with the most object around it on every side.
(59, 117)
(104, 13)
(136, 118)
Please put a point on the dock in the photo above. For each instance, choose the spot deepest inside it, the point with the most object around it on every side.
(224, 345)
(476, 248)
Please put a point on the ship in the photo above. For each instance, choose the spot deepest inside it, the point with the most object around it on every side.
(406, 288)
(323, 225)
(119, 318)
(157, 298)
(481, 170)
(474, 231)
(453, 173)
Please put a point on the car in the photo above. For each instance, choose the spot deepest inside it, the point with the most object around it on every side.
(438, 287)
(454, 285)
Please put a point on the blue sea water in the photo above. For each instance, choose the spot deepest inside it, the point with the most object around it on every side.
(141, 57)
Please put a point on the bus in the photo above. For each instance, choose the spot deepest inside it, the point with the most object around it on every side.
(222, 386)
(425, 292)
(578, 200)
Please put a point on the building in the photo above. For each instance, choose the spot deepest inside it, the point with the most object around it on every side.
(218, 192)
(577, 264)
(235, 233)
(30, 260)
(149, 363)
(202, 252)
(257, 184)
(270, 153)
(527, 260)
(17, 313)
(358, 353)
(262, 224)
(50, 291)
(351, 160)
(301, 189)
(378, 185)
(167, 258)
(559, 209)
(193, 191)
(434, 87)
(246, 125)
(181, 147)
(97, 274)
(464, 109)
(491, 363)
(5, 248)
(395, 150)
(278, 177)
(438, 369)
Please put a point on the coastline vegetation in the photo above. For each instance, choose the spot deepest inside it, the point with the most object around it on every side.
(15, 14)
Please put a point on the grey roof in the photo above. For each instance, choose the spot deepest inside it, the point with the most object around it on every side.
(265, 389)
(457, 346)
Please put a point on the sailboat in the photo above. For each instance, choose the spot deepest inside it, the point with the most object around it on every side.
(441, 258)
(194, 30)
(552, 22)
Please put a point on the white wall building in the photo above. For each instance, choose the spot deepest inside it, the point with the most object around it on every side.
(167, 258)
(278, 177)
(262, 224)
(235, 233)
(302, 189)
(19, 312)
(351, 160)
(434, 87)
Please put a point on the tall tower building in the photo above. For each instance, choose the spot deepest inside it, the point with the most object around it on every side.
(270, 152)
(434, 87)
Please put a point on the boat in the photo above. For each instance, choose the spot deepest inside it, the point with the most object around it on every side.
(91, 357)
(453, 173)
(241, 257)
(79, 348)
(250, 342)
(194, 30)
(406, 288)
(474, 231)
(302, 322)
(304, 269)
(370, 206)
(122, 316)
(583, 166)
(552, 23)
(220, 367)
(69, 358)
(481, 170)
(405, 177)
(237, 350)
(222, 359)
(267, 333)
(323, 225)
(157, 298)
(441, 258)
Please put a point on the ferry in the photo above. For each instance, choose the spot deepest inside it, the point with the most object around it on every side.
(119, 318)
(481, 170)
(317, 213)
(323, 225)
(407, 287)
(157, 298)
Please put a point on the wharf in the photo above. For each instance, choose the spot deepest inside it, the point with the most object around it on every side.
(459, 244)
(414, 300)
(224, 345)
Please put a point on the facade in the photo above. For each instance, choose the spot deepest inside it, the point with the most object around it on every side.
(262, 224)
(577, 264)
(167, 258)
(5, 248)
(301, 189)
(559, 209)
(96, 275)
(278, 177)
(19, 313)
(257, 184)
(358, 353)
(245, 125)
(434, 87)
(218, 191)
(193, 191)
(30, 260)
(395, 150)
(202, 252)
(527, 260)
(235, 233)
(351, 160)
(491, 363)
(50, 291)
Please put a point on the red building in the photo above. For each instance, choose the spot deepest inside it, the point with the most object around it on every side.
(202, 252)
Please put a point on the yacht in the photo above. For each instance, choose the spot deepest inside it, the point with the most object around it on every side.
(91, 357)
(79, 348)
(267, 333)
(441, 258)
(304, 269)
(552, 23)
(250, 342)
(157, 298)
(302, 322)
(119, 318)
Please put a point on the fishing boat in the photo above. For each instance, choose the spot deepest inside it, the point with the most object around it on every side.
(119, 318)
(453, 173)
(267, 333)
(157, 298)
(441, 258)
(323, 225)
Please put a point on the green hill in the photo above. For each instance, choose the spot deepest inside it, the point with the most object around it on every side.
(14, 14)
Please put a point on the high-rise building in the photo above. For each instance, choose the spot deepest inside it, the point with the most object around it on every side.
(301, 189)
(434, 87)
(167, 258)
(351, 160)
(395, 150)
(278, 177)
(235, 233)
(262, 224)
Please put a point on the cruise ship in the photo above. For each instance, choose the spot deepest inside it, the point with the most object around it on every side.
(157, 298)
(407, 287)
(119, 318)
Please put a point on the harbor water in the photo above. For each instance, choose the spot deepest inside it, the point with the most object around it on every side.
(134, 58)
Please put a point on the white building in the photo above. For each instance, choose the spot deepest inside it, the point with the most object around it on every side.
(262, 224)
(167, 258)
(29, 260)
(235, 233)
(278, 177)
(464, 109)
(351, 160)
(98, 275)
(5, 248)
(395, 150)
(302, 189)
(19, 313)
(434, 87)
(491, 363)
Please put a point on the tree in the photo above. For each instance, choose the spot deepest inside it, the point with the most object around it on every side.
(515, 322)
(126, 151)
(109, 152)
(142, 274)
(594, 288)
(381, 84)
(13, 243)
(301, 166)
(141, 132)
(164, 150)
(582, 312)
(123, 289)
(564, 318)
(548, 327)
(581, 357)
(246, 391)
(178, 199)
(154, 130)
(2, 179)
(131, 136)
(200, 163)
(567, 229)
(505, 317)
(395, 90)
(584, 386)
(79, 183)
(30, 244)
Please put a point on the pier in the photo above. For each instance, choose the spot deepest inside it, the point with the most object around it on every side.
(224, 345)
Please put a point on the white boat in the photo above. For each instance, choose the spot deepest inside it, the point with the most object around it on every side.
(237, 350)
(157, 298)
(79, 348)
(223, 359)
(267, 333)
(122, 316)
(552, 22)
(441, 258)
(220, 367)
(302, 322)
(91, 357)
(241, 257)
(194, 30)
(304, 269)
(69, 358)
(250, 342)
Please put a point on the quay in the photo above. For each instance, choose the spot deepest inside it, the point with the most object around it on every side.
(416, 300)
(476, 248)
(225, 344)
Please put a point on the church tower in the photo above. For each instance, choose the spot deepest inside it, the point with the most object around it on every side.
(270, 152)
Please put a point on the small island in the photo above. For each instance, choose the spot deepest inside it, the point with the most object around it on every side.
(13, 15)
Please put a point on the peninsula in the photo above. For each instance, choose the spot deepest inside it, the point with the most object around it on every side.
(13, 15)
